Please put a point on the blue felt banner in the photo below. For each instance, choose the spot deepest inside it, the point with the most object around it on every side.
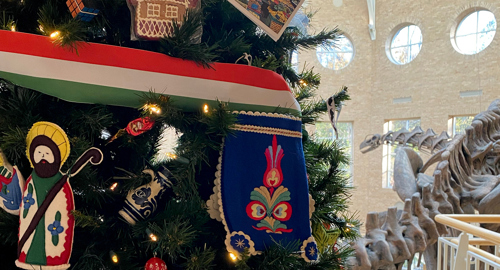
(263, 190)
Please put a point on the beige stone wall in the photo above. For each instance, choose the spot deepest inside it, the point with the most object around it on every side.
(433, 79)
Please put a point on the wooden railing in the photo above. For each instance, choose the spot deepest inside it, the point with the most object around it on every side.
(459, 253)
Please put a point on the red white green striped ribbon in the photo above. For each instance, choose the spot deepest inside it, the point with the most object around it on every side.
(117, 76)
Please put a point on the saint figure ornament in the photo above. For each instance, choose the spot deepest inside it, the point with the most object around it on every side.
(46, 223)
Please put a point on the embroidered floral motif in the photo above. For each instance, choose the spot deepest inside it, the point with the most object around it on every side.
(269, 203)
(141, 196)
(55, 228)
(239, 242)
(28, 201)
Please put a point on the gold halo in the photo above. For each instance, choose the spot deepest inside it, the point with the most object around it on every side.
(55, 133)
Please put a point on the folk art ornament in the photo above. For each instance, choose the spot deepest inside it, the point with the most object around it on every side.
(261, 188)
(135, 128)
(46, 223)
(11, 184)
(154, 19)
(143, 201)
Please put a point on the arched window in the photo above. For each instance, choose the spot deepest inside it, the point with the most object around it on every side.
(337, 55)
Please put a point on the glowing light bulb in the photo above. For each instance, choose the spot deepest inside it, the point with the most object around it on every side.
(232, 256)
(41, 28)
(13, 28)
(113, 186)
(171, 155)
(205, 108)
(151, 235)
(114, 257)
(153, 108)
(55, 34)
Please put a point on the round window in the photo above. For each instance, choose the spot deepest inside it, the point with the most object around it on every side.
(475, 32)
(405, 44)
(337, 55)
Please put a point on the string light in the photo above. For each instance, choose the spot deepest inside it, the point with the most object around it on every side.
(41, 28)
(153, 108)
(171, 155)
(13, 28)
(113, 186)
(113, 256)
(151, 235)
(232, 256)
(55, 34)
(303, 83)
(205, 108)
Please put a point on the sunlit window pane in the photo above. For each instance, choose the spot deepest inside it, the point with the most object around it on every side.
(406, 44)
(460, 123)
(389, 151)
(475, 32)
(294, 61)
(324, 131)
(336, 56)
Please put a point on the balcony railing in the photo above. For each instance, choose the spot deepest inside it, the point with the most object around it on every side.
(462, 253)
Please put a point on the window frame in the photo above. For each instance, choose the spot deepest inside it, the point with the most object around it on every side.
(395, 32)
(350, 171)
(333, 50)
(452, 124)
(387, 153)
(458, 23)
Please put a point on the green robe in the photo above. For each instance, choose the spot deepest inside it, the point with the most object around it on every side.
(41, 186)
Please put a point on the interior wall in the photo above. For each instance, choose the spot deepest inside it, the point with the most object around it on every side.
(433, 80)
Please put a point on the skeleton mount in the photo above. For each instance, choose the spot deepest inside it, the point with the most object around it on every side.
(466, 180)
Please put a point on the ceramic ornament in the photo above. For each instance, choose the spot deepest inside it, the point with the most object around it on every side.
(143, 201)
(11, 185)
(46, 223)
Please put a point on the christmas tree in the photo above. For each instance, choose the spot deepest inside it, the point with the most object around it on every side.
(179, 229)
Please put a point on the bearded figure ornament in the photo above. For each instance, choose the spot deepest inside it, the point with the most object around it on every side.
(46, 223)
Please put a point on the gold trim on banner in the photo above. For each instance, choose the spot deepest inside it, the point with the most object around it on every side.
(268, 130)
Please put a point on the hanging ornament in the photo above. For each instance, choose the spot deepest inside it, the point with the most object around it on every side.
(84, 10)
(153, 19)
(11, 185)
(155, 264)
(135, 128)
(46, 220)
(271, 16)
(143, 201)
(260, 192)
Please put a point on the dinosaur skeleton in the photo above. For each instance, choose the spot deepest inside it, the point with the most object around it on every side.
(427, 140)
(466, 179)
